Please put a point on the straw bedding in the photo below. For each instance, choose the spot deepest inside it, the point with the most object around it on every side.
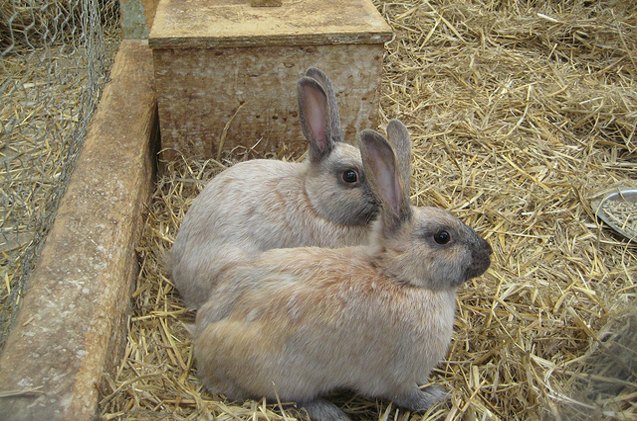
(519, 112)
(46, 99)
(37, 23)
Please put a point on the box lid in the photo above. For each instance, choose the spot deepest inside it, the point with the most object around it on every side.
(234, 23)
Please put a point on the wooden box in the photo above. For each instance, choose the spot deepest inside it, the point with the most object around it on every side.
(226, 72)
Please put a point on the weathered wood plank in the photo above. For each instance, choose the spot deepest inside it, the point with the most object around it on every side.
(226, 72)
(232, 23)
(266, 3)
(150, 7)
(247, 96)
(71, 326)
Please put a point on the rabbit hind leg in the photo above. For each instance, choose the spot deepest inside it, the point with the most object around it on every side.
(323, 410)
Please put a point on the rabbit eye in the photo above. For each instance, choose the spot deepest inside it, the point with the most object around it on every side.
(350, 176)
(442, 237)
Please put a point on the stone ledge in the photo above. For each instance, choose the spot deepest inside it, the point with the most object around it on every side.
(71, 326)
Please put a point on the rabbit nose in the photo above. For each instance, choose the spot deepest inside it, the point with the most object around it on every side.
(481, 259)
(485, 244)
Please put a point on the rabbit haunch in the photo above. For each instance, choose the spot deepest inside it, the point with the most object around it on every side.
(382, 316)
(296, 324)
(261, 204)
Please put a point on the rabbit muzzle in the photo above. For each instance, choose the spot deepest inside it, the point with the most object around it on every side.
(480, 259)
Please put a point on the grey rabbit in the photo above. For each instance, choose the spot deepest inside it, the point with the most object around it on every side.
(262, 204)
(295, 324)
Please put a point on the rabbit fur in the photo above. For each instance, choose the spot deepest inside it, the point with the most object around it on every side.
(262, 204)
(299, 323)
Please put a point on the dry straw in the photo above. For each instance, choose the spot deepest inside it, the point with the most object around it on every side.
(47, 95)
(520, 111)
(40, 107)
(35, 23)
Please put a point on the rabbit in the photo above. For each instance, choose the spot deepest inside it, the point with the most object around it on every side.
(297, 323)
(262, 204)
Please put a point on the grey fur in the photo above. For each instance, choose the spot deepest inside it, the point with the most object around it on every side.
(335, 117)
(388, 182)
(398, 136)
(258, 205)
(316, 124)
(298, 323)
(420, 399)
(322, 410)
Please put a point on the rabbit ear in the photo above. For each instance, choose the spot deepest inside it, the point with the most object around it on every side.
(399, 138)
(382, 171)
(326, 83)
(315, 118)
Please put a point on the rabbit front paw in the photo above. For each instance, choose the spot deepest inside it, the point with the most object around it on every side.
(419, 400)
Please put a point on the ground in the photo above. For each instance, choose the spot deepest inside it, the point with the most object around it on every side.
(519, 112)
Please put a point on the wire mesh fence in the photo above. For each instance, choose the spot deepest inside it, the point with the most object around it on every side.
(55, 56)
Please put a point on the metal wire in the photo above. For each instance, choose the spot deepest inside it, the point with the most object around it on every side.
(55, 55)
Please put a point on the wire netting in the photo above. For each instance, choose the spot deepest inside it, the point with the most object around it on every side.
(55, 57)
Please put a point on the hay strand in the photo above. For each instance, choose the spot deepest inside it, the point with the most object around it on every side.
(519, 113)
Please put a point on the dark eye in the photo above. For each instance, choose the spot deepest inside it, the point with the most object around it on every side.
(442, 237)
(350, 176)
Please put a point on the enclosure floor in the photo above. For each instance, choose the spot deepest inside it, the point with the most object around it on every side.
(518, 114)
(46, 102)
(71, 326)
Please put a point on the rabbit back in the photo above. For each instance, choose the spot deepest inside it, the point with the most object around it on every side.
(302, 331)
(297, 323)
(251, 207)
(263, 204)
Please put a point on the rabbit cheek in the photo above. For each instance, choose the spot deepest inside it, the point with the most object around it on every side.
(438, 268)
(340, 204)
(450, 274)
(446, 269)
(369, 205)
(363, 206)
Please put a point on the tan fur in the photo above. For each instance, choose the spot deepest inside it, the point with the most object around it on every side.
(263, 204)
(298, 323)
(363, 323)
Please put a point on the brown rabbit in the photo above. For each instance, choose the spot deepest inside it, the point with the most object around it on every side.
(262, 204)
(299, 323)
